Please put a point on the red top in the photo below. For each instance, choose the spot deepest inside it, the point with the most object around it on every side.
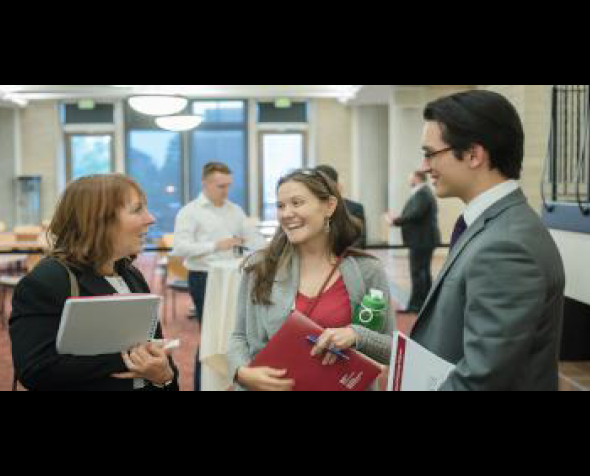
(333, 311)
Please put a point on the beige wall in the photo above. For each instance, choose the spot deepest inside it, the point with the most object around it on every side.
(370, 158)
(40, 136)
(333, 139)
(7, 165)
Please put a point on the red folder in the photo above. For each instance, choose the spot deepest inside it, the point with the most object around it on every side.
(290, 349)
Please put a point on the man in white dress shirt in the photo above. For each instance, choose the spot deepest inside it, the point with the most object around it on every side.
(210, 229)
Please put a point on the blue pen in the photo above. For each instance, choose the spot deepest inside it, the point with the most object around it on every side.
(339, 353)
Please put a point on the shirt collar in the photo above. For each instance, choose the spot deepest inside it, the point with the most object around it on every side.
(484, 201)
(205, 202)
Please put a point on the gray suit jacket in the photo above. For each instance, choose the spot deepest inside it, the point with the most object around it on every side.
(496, 309)
(256, 324)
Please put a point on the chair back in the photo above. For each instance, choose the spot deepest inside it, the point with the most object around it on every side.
(32, 261)
(165, 241)
(27, 237)
(175, 269)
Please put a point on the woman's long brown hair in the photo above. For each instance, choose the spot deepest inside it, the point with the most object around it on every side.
(344, 232)
(81, 232)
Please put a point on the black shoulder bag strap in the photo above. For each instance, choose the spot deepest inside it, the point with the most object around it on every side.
(74, 292)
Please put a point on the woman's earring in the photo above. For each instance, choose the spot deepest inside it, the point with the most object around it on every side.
(327, 226)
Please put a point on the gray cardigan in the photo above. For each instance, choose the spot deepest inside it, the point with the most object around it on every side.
(256, 324)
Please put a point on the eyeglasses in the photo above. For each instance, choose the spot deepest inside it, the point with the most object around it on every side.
(430, 155)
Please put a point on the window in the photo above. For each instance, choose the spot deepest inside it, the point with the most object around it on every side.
(222, 137)
(89, 154)
(89, 135)
(88, 114)
(293, 113)
(168, 165)
(155, 162)
(221, 112)
(281, 153)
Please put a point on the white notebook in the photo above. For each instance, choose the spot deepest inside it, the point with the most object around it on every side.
(107, 324)
(414, 368)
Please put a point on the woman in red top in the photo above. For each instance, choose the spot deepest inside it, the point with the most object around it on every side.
(315, 231)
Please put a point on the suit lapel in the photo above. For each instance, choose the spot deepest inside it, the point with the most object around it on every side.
(469, 235)
(515, 198)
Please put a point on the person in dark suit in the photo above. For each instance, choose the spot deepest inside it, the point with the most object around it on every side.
(96, 232)
(496, 309)
(354, 208)
(420, 232)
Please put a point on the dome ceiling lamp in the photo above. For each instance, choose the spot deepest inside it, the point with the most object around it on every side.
(179, 123)
(158, 104)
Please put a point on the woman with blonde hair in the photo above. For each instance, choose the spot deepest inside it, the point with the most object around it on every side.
(96, 232)
(314, 239)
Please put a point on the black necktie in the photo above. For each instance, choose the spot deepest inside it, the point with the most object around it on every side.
(460, 228)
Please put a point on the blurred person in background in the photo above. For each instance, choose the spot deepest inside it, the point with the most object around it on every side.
(209, 229)
(356, 209)
(421, 234)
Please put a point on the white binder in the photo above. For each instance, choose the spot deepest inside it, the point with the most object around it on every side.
(414, 368)
(107, 324)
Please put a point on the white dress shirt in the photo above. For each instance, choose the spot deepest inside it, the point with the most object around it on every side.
(200, 225)
(119, 284)
(484, 201)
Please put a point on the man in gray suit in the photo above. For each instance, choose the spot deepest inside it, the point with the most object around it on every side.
(496, 309)
(419, 223)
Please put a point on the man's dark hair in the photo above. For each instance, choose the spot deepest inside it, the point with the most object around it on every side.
(329, 171)
(485, 118)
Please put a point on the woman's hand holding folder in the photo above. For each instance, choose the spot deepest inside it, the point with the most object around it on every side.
(149, 362)
(339, 339)
(264, 379)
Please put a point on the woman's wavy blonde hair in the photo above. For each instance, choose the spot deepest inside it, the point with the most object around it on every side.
(81, 233)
